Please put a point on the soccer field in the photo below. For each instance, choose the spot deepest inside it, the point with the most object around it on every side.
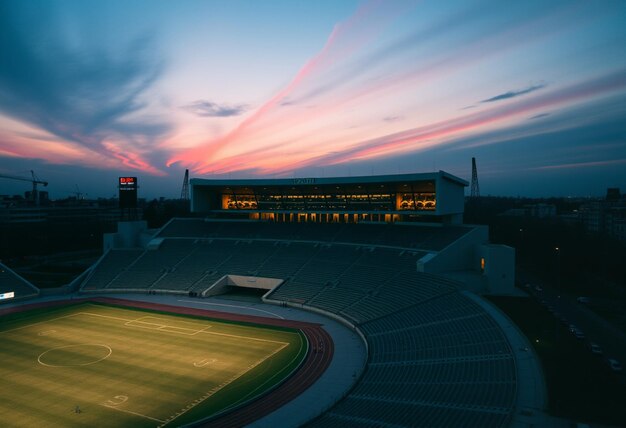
(97, 365)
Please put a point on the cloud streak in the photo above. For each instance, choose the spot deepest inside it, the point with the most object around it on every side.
(432, 135)
(80, 94)
(445, 133)
(204, 108)
(348, 75)
(578, 165)
(513, 94)
(345, 38)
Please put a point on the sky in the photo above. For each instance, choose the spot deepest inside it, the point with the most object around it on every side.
(92, 90)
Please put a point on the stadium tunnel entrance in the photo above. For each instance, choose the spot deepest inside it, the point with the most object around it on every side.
(249, 284)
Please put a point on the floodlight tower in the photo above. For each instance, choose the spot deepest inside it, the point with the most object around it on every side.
(475, 190)
(184, 193)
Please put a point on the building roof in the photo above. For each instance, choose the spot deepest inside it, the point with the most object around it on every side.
(370, 179)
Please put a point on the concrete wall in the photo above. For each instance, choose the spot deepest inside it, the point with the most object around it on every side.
(130, 234)
(200, 198)
(463, 258)
(499, 267)
(460, 255)
(450, 196)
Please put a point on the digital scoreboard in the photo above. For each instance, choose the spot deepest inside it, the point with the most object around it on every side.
(8, 295)
(128, 192)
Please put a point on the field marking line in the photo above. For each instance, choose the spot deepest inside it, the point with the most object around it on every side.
(232, 306)
(172, 329)
(104, 316)
(40, 322)
(245, 337)
(164, 321)
(274, 375)
(139, 321)
(205, 362)
(222, 385)
(133, 413)
(203, 330)
(120, 399)
(75, 346)
(162, 324)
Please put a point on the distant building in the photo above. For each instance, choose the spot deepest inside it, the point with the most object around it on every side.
(613, 194)
(540, 210)
(62, 214)
(592, 215)
(616, 222)
(606, 215)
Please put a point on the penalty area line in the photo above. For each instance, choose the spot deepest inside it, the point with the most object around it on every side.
(132, 413)
(104, 316)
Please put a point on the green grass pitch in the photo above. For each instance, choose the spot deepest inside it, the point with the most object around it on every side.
(99, 365)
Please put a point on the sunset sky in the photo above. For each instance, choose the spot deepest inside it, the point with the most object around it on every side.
(91, 90)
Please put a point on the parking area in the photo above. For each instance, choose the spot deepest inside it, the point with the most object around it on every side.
(581, 386)
(573, 311)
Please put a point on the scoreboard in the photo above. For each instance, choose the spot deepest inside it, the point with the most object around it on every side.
(7, 295)
(128, 192)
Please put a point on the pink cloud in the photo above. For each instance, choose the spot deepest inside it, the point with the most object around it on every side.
(345, 38)
(431, 135)
(277, 126)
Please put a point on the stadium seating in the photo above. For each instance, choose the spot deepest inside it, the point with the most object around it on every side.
(441, 362)
(109, 267)
(422, 237)
(150, 266)
(436, 358)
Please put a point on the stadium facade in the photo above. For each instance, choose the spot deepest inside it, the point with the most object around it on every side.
(387, 198)
(421, 212)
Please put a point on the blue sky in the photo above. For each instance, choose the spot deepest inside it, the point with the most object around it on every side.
(92, 90)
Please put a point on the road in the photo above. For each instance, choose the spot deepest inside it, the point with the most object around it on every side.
(596, 329)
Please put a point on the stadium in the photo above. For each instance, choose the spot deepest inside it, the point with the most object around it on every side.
(347, 301)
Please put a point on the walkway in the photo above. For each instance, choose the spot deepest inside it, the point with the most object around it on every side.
(532, 396)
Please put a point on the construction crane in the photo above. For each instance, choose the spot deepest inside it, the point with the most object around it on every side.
(34, 196)
(79, 194)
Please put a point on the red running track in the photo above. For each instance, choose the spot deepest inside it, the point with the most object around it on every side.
(317, 360)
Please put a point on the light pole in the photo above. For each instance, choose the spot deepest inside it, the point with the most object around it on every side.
(558, 271)
(558, 304)
(558, 292)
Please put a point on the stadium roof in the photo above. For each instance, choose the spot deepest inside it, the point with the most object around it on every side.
(378, 179)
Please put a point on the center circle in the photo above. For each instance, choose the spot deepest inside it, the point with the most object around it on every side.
(74, 355)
